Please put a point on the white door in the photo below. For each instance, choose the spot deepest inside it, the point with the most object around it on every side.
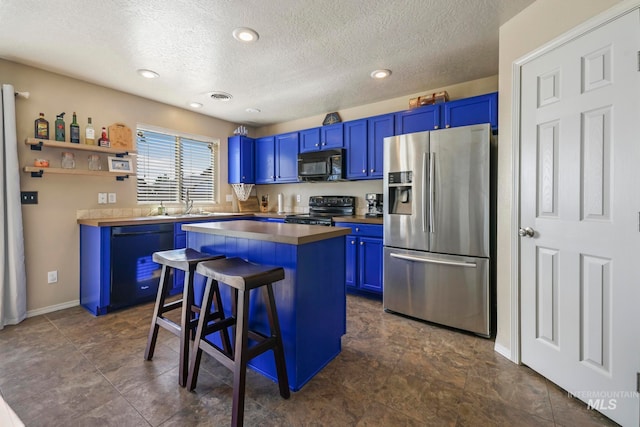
(580, 197)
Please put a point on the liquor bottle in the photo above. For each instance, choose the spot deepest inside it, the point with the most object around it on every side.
(74, 130)
(60, 127)
(104, 140)
(89, 133)
(41, 127)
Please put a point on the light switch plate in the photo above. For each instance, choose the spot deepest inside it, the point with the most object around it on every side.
(112, 197)
(229, 198)
(102, 198)
(52, 276)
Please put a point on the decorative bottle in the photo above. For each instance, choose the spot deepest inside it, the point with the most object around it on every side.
(41, 127)
(60, 127)
(89, 133)
(74, 130)
(104, 139)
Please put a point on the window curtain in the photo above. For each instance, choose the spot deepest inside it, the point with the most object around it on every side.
(13, 294)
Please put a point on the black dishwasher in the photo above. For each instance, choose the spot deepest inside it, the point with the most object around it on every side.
(134, 276)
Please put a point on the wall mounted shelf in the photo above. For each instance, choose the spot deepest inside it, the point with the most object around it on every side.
(37, 172)
(37, 144)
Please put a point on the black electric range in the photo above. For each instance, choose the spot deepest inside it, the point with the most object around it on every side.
(322, 209)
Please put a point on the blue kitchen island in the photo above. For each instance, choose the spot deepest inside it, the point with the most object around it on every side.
(310, 300)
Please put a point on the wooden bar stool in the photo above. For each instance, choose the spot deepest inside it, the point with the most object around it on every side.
(185, 260)
(242, 276)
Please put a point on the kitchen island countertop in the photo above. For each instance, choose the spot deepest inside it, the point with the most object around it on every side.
(292, 234)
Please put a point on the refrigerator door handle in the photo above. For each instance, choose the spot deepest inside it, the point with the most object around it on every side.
(434, 261)
(432, 190)
(424, 193)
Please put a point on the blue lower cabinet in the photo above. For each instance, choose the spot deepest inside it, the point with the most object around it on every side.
(363, 251)
(370, 264)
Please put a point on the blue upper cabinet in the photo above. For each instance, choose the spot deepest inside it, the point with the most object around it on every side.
(364, 141)
(309, 140)
(471, 111)
(265, 160)
(331, 136)
(321, 138)
(286, 157)
(355, 138)
(379, 128)
(241, 160)
(418, 120)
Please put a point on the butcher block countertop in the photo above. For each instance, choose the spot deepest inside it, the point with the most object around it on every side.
(292, 234)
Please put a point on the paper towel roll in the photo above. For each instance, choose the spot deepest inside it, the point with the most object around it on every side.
(280, 203)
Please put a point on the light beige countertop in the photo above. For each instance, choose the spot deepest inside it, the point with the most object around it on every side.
(292, 234)
(361, 219)
(158, 219)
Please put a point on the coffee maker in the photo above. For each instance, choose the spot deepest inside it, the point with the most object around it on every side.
(374, 202)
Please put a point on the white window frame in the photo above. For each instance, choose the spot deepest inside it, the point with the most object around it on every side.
(215, 142)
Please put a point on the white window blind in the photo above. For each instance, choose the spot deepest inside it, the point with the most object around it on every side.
(170, 165)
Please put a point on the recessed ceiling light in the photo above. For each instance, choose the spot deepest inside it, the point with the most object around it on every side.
(148, 74)
(380, 74)
(252, 110)
(246, 35)
(220, 96)
(195, 105)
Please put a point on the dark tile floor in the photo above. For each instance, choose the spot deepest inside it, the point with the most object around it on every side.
(70, 368)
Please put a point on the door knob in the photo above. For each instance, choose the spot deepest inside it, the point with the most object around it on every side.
(526, 232)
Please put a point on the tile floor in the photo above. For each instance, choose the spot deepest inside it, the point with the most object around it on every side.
(70, 368)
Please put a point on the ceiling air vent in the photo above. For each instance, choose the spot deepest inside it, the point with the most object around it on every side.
(221, 96)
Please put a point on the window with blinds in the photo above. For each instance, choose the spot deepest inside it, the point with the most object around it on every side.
(169, 165)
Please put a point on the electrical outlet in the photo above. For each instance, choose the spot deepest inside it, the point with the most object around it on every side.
(112, 197)
(29, 197)
(102, 198)
(229, 198)
(298, 198)
(52, 276)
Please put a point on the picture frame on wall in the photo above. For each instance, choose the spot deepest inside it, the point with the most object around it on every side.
(120, 164)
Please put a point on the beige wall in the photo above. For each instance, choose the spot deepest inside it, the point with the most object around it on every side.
(541, 22)
(50, 229)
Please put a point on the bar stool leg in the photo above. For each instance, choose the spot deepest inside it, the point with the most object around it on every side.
(160, 300)
(278, 350)
(196, 354)
(240, 359)
(217, 306)
(185, 322)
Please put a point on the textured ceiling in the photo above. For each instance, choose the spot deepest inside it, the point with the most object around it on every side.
(312, 56)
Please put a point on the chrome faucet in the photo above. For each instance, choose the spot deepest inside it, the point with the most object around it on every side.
(188, 203)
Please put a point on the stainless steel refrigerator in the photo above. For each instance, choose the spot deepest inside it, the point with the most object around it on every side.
(439, 193)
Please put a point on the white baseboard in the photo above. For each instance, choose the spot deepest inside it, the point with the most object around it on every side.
(503, 351)
(52, 308)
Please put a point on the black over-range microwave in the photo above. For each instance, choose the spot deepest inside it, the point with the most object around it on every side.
(326, 165)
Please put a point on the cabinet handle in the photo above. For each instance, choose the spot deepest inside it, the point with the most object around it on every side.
(372, 170)
(317, 145)
(357, 229)
(436, 127)
(353, 242)
(361, 243)
(364, 171)
(448, 126)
